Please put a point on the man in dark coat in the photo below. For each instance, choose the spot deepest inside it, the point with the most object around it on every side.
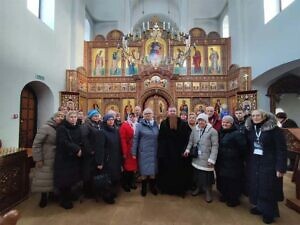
(173, 168)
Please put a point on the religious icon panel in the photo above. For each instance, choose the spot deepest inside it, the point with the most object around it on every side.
(114, 62)
(183, 105)
(98, 62)
(214, 59)
(197, 62)
(179, 57)
(128, 107)
(132, 61)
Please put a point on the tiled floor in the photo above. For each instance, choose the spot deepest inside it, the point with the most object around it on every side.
(132, 209)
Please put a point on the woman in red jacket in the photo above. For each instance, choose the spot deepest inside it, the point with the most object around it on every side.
(129, 164)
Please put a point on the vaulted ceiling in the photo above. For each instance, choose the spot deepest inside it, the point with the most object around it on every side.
(103, 10)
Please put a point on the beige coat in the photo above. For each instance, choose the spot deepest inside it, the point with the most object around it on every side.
(207, 147)
(43, 149)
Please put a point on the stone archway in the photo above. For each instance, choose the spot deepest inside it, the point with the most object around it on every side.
(286, 85)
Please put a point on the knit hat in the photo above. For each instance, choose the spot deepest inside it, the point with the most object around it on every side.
(108, 117)
(203, 116)
(92, 113)
(228, 118)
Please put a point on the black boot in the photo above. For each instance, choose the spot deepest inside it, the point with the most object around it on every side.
(126, 181)
(65, 200)
(88, 189)
(44, 200)
(132, 181)
(144, 188)
(153, 187)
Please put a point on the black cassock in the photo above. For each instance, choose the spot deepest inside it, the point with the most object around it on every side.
(174, 170)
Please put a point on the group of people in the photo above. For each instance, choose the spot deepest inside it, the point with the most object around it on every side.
(241, 153)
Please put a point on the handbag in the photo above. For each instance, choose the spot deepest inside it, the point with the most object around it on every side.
(102, 180)
(194, 152)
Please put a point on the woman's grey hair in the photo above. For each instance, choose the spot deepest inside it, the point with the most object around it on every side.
(228, 119)
(147, 110)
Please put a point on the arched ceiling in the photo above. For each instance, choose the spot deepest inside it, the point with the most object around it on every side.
(103, 10)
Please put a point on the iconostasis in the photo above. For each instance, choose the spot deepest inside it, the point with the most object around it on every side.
(158, 72)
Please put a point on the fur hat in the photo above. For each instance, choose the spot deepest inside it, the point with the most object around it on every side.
(92, 113)
(203, 116)
(108, 117)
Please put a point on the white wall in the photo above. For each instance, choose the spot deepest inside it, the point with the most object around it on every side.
(208, 25)
(29, 47)
(269, 45)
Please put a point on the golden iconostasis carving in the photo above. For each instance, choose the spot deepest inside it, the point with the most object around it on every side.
(158, 72)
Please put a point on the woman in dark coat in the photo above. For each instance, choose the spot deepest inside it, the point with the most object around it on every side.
(230, 162)
(90, 131)
(108, 157)
(268, 157)
(67, 158)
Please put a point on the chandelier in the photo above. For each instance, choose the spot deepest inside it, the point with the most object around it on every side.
(155, 30)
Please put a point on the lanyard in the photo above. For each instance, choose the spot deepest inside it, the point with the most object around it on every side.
(201, 134)
(257, 133)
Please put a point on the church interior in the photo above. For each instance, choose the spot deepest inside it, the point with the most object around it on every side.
(118, 54)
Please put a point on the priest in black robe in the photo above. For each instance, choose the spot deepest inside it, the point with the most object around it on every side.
(174, 170)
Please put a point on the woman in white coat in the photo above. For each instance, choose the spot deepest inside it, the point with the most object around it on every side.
(205, 137)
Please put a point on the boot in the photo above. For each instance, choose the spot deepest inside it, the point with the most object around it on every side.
(88, 189)
(44, 200)
(132, 181)
(65, 200)
(126, 181)
(144, 188)
(153, 187)
(208, 194)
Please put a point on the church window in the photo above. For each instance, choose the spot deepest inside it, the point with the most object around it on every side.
(274, 7)
(44, 10)
(225, 27)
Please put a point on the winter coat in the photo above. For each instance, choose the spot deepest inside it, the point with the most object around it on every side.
(289, 123)
(145, 147)
(207, 147)
(264, 183)
(231, 153)
(126, 135)
(90, 138)
(43, 149)
(109, 153)
(67, 163)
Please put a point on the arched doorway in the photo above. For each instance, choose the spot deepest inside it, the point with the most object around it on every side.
(159, 105)
(28, 117)
(33, 114)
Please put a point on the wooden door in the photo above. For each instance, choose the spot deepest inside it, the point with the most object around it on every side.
(28, 112)
(159, 105)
